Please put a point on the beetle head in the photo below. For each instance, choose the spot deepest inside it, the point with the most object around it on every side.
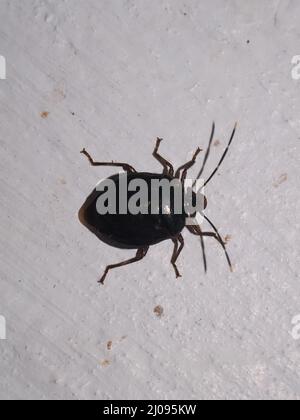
(199, 201)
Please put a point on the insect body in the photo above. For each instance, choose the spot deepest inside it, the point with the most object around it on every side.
(132, 231)
(142, 230)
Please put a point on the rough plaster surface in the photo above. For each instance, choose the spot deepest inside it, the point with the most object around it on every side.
(111, 76)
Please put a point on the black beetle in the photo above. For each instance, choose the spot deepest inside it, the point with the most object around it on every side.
(140, 231)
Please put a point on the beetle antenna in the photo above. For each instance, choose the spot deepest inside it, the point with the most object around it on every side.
(199, 232)
(207, 153)
(221, 241)
(203, 253)
(196, 230)
(223, 157)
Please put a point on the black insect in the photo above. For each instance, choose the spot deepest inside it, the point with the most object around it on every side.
(140, 231)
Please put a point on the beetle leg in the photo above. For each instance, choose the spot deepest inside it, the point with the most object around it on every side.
(168, 167)
(125, 166)
(206, 234)
(141, 253)
(176, 253)
(196, 230)
(187, 166)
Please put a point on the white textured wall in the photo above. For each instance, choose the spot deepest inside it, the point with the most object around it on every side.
(130, 71)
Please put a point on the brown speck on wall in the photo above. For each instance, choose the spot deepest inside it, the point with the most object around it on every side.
(283, 178)
(158, 310)
(227, 238)
(105, 363)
